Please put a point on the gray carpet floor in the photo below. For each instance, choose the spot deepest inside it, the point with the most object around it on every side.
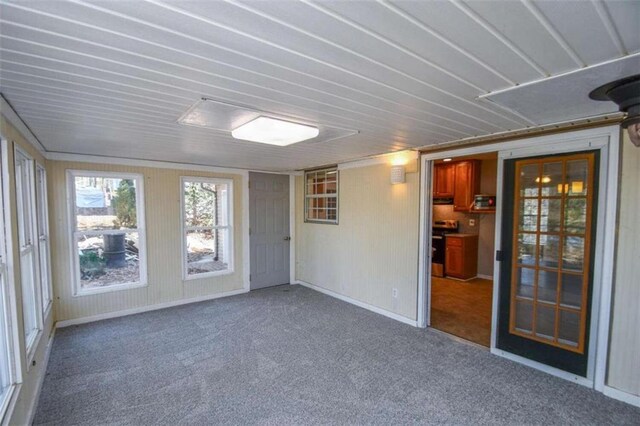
(290, 355)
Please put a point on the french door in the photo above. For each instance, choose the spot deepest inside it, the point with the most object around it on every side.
(548, 234)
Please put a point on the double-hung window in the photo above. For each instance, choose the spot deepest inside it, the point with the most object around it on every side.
(44, 248)
(207, 226)
(27, 240)
(321, 196)
(7, 364)
(107, 231)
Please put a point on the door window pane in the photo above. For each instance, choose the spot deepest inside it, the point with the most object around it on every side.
(527, 249)
(571, 291)
(569, 327)
(551, 177)
(549, 251)
(547, 286)
(545, 321)
(524, 316)
(550, 210)
(577, 177)
(573, 253)
(525, 282)
(528, 217)
(529, 180)
(575, 216)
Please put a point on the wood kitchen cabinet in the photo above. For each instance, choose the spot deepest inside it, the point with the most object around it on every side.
(461, 256)
(443, 180)
(466, 184)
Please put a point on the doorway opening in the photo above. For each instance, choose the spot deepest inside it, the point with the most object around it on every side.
(463, 237)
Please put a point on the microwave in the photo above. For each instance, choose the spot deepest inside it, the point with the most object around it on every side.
(484, 202)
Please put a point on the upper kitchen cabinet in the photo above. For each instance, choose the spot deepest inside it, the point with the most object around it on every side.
(466, 184)
(443, 180)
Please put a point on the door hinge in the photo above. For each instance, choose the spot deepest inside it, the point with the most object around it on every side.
(499, 256)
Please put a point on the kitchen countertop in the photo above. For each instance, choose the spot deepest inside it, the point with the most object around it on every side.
(461, 235)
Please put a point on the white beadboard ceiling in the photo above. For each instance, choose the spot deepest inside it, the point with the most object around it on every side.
(111, 78)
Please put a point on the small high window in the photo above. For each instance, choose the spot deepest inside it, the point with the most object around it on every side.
(108, 234)
(207, 227)
(321, 196)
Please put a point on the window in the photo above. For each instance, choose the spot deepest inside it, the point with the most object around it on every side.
(321, 196)
(44, 250)
(108, 234)
(7, 372)
(25, 203)
(207, 227)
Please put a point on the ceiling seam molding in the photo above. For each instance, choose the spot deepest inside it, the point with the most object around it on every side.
(197, 93)
(188, 37)
(424, 27)
(371, 80)
(221, 76)
(12, 116)
(533, 9)
(494, 32)
(350, 51)
(605, 17)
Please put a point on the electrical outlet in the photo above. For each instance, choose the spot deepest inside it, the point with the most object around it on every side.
(472, 222)
(394, 293)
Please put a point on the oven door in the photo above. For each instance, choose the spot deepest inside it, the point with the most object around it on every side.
(437, 259)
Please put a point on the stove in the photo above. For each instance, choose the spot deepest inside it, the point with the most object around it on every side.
(438, 245)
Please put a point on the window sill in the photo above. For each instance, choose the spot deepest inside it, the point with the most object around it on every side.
(109, 289)
(207, 275)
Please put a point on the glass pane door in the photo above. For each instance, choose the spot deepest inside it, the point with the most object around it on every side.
(546, 274)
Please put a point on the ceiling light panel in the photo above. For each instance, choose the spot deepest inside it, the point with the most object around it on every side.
(258, 126)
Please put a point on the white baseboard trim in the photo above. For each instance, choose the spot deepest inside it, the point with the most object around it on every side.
(116, 314)
(363, 305)
(485, 277)
(623, 396)
(34, 403)
(544, 368)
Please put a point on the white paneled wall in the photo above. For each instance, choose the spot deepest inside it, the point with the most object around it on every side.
(162, 208)
(373, 249)
(624, 354)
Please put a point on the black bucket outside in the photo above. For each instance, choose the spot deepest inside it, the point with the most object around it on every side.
(114, 253)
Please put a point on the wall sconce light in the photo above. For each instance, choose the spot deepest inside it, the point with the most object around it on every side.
(577, 187)
(397, 174)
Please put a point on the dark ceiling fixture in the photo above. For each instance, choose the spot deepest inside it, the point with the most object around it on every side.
(626, 94)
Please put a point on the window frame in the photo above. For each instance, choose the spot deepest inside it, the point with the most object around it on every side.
(308, 197)
(184, 228)
(44, 236)
(8, 289)
(29, 232)
(77, 290)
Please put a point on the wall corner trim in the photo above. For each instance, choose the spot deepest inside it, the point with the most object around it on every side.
(133, 311)
(12, 116)
(358, 303)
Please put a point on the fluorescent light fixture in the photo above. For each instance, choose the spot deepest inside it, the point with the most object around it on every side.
(274, 132)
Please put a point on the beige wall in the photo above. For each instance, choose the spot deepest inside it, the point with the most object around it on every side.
(164, 264)
(31, 378)
(624, 354)
(373, 249)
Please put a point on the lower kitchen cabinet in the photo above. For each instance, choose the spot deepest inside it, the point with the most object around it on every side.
(461, 257)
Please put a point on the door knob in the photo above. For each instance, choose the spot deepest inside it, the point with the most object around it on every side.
(287, 238)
